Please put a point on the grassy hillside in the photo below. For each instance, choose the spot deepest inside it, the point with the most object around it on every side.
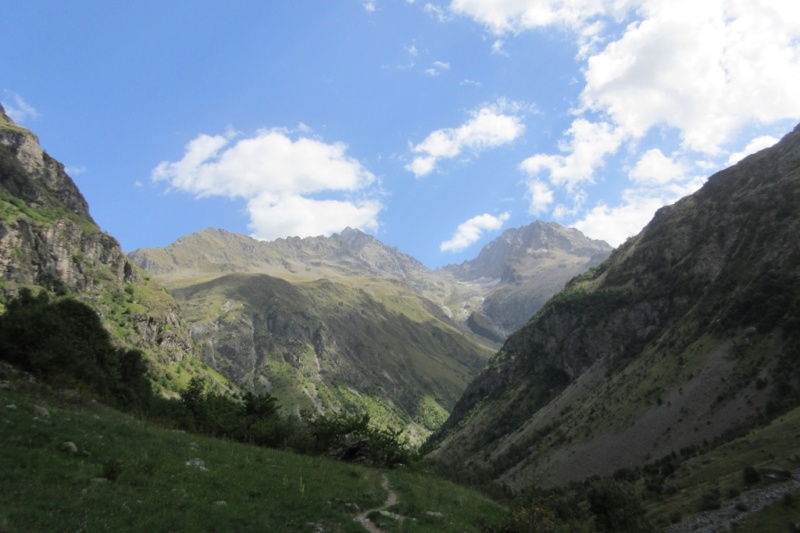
(360, 345)
(123, 474)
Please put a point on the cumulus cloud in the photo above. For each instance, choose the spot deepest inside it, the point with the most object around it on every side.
(704, 68)
(637, 206)
(280, 216)
(18, 109)
(470, 231)
(278, 176)
(654, 168)
(541, 197)
(586, 146)
(757, 144)
(697, 72)
(489, 127)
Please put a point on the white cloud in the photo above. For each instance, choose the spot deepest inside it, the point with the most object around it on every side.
(588, 144)
(488, 128)
(497, 48)
(515, 16)
(280, 216)
(437, 68)
(75, 171)
(699, 72)
(277, 176)
(541, 197)
(615, 224)
(369, 6)
(757, 144)
(636, 209)
(654, 168)
(470, 231)
(578, 197)
(18, 109)
(439, 13)
(705, 68)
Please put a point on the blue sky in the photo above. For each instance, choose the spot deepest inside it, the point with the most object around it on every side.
(432, 125)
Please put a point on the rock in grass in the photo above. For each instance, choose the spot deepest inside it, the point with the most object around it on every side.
(196, 463)
(68, 447)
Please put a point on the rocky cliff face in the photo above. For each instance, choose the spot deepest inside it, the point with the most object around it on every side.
(47, 237)
(687, 331)
(49, 240)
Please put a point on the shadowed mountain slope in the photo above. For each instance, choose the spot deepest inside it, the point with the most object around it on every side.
(685, 333)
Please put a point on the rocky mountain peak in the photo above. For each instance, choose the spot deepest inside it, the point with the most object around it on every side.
(516, 248)
(32, 175)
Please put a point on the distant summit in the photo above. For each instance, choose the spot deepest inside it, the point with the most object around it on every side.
(522, 268)
(516, 252)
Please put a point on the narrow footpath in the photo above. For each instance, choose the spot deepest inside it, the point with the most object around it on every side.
(391, 499)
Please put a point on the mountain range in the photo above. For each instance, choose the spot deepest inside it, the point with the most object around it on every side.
(348, 322)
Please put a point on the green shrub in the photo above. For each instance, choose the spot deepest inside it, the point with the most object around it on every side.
(63, 342)
(750, 476)
(710, 500)
(616, 507)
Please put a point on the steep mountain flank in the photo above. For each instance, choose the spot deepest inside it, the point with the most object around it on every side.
(323, 323)
(520, 270)
(685, 333)
(49, 240)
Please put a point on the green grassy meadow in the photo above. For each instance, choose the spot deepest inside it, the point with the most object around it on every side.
(125, 474)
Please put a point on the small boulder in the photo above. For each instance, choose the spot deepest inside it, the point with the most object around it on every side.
(68, 447)
(196, 463)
